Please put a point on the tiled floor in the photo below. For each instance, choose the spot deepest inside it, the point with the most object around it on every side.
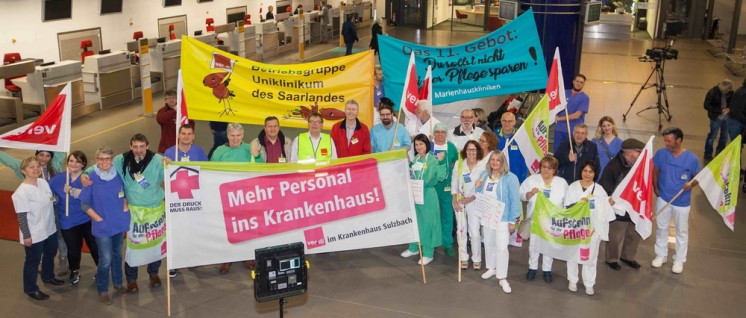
(379, 283)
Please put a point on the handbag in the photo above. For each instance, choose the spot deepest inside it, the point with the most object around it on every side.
(524, 230)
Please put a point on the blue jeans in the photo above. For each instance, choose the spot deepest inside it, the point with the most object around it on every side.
(43, 252)
(131, 272)
(719, 125)
(734, 128)
(109, 261)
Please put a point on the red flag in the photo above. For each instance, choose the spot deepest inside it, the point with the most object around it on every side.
(50, 132)
(426, 91)
(635, 193)
(410, 96)
(556, 88)
(222, 62)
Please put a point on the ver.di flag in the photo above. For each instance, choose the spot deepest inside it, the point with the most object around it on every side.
(51, 132)
(410, 95)
(531, 137)
(559, 233)
(635, 193)
(719, 181)
(556, 88)
(182, 115)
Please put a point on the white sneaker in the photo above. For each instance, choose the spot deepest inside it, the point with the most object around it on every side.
(488, 274)
(658, 261)
(573, 287)
(408, 253)
(504, 284)
(589, 290)
(678, 267)
(425, 260)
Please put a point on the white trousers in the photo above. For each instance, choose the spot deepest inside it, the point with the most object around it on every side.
(589, 270)
(468, 224)
(533, 258)
(496, 253)
(680, 217)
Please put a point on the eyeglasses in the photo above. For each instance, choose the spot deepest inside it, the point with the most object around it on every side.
(471, 149)
(507, 121)
(387, 115)
(467, 117)
(104, 159)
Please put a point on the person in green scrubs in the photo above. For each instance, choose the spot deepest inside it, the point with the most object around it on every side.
(446, 151)
(430, 170)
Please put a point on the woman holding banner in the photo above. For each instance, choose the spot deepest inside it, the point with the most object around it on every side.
(586, 190)
(465, 174)
(104, 202)
(554, 188)
(74, 222)
(499, 182)
(426, 171)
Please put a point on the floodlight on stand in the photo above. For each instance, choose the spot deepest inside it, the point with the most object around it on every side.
(281, 271)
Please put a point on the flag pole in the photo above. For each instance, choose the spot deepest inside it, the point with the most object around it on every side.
(168, 295)
(67, 194)
(398, 115)
(669, 202)
(458, 243)
(422, 263)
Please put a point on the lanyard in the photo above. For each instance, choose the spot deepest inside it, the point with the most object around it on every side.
(315, 148)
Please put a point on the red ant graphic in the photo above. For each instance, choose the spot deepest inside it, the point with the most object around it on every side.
(219, 84)
(326, 113)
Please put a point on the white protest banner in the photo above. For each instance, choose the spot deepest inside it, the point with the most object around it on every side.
(222, 212)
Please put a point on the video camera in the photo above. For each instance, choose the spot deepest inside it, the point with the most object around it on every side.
(660, 53)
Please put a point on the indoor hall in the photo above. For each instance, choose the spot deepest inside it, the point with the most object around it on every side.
(379, 283)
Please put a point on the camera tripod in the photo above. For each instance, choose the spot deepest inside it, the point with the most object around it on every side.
(660, 90)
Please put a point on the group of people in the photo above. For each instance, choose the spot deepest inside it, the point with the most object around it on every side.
(449, 169)
(726, 109)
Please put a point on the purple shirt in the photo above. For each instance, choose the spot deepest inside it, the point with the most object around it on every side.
(107, 199)
(195, 153)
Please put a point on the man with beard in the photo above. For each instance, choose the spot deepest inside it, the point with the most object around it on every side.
(577, 107)
(382, 135)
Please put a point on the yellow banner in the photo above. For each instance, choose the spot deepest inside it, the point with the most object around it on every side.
(223, 87)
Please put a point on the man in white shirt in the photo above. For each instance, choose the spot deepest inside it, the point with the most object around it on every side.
(425, 122)
(466, 131)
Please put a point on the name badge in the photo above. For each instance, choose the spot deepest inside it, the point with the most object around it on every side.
(324, 152)
(141, 180)
(593, 203)
(467, 178)
(685, 175)
(353, 140)
(397, 143)
(184, 158)
(281, 160)
(547, 192)
(490, 186)
(447, 189)
(513, 147)
(120, 194)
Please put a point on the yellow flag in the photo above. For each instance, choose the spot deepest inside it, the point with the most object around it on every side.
(220, 86)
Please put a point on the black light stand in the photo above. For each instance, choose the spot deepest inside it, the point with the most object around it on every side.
(660, 90)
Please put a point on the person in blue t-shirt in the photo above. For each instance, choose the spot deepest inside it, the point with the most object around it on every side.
(607, 142)
(75, 224)
(577, 107)
(675, 168)
(187, 150)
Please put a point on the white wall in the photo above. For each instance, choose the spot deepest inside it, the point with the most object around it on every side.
(21, 20)
(652, 16)
(724, 10)
(443, 11)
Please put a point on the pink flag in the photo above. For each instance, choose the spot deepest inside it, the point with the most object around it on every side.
(556, 88)
(50, 132)
(635, 193)
(410, 96)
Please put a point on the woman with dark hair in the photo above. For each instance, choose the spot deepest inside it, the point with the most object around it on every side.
(488, 142)
(74, 222)
(586, 190)
(553, 187)
(466, 171)
(426, 171)
(33, 202)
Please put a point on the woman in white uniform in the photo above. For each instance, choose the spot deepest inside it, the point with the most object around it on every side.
(553, 188)
(466, 172)
(498, 182)
(601, 214)
(33, 202)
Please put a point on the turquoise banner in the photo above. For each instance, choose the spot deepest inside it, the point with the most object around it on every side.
(508, 60)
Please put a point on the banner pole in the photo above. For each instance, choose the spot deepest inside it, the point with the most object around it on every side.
(67, 195)
(458, 244)
(422, 263)
(396, 127)
(668, 203)
(168, 294)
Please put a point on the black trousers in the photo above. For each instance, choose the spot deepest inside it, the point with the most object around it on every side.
(74, 238)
